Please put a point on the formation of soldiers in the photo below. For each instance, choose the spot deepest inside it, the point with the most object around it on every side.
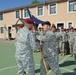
(47, 38)
(67, 41)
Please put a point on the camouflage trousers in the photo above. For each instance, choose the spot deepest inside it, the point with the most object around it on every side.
(75, 57)
(74, 48)
(60, 44)
(74, 51)
(51, 62)
(25, 65)
(63, 47)
(71, 48)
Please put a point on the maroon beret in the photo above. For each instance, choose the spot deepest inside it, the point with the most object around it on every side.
(67, 29)
(29, 21)
(71, 28)
(64, 29)
(21, 25)
(74, 28)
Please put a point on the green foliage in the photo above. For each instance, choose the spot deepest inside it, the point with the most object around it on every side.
(35, 1)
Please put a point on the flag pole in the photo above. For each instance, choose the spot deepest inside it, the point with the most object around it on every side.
(44, 63)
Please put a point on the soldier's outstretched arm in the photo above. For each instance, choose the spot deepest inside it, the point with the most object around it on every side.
(33, 42)
(44, 38)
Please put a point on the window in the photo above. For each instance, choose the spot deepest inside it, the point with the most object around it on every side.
(69, 24)
(40, 11)
(60, 25)
(72, 6)
(1, 30)
(53, 9)
(1, 16)
(26, 13)
(17, 14)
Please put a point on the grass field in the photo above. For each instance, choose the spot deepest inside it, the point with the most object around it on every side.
(8, 63)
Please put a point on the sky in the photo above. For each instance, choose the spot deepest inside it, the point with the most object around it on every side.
(8, 4)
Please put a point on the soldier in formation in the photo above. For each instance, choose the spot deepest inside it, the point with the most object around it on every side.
(66, 44)
(74, 47)
(71, 40)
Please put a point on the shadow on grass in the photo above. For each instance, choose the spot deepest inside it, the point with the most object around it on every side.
(69, 73)
(67, 63)
(75, 69)
(37, 70)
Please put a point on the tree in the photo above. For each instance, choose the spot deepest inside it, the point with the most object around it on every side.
(35, 1)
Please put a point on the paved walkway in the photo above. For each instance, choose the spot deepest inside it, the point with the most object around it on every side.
(9, 41)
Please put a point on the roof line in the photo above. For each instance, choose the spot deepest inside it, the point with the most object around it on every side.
(30, 6)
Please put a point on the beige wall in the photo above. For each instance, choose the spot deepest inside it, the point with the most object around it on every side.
(62, 16)
(8, 21)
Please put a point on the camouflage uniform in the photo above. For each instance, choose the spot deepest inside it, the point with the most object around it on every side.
(50, 53)
(59, 40)
(74, 47)
(71, 41)
(67, 44)
(25, 44)
(63, 41)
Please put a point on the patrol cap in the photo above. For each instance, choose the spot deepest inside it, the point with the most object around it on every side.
(46, 23)
(21, 25)
(29, 21)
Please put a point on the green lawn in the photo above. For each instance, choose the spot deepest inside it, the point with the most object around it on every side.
(8, 64)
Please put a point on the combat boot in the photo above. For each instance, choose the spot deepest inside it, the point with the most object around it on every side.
(71, 55)
(62, 53)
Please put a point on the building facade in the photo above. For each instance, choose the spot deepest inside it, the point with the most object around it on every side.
(60, 12)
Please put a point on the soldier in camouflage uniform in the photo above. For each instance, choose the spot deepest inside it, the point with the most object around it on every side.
(71, 40)
(63, 41)
(66, 41)
(60, 41)
(74, 47)
(57, 35)
(49, 50)
(25, 44)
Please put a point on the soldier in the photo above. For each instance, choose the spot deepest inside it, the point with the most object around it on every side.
(71, 40)
(67, 30)
(53, 28)
(74, 45)
(58, 36)
(60, 41)
(49, 50)
(67, 42)
(75, 30)
(63, 41)
(25, 44)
